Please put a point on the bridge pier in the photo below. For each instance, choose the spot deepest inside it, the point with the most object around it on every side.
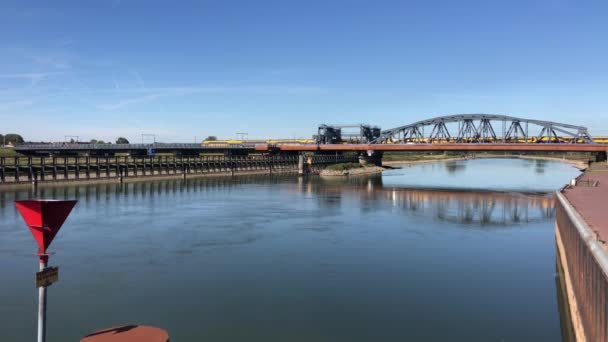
(371, 158)
(602, 157)
(302, 165)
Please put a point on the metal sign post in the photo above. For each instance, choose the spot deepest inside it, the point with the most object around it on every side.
(44, 218)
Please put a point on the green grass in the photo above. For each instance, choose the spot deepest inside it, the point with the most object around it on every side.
(8, 152)
(344, 166)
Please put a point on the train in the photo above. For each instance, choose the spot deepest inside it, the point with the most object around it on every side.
(235, 142)
(530, 140)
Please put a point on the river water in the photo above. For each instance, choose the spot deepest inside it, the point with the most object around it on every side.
(453, 251)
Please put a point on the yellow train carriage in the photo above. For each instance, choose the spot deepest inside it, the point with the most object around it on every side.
(253, 142)
(530, 140)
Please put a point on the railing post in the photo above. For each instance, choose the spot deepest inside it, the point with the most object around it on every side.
(2, 163)
(97, 168)
(17, 169)
(42, 168)
(30, 169)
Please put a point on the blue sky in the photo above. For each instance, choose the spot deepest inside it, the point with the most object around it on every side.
(103, 69)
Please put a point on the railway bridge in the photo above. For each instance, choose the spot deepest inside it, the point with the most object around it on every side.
(459, 132)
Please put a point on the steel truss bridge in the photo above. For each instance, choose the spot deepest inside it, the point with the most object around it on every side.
(464, 132)
(460, 132)
(480, 128)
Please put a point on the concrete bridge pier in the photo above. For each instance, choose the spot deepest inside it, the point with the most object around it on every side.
(602, 157)
(371, 158)
(302, 165)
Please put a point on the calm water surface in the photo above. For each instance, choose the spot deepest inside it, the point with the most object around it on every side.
(407, 255)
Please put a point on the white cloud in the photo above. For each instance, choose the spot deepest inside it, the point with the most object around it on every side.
(33, 77)
(15, 104)
(130, 101)
(163, 92)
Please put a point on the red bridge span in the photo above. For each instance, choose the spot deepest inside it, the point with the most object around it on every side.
(412, 147)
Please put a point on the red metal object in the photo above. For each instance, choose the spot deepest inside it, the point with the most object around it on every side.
(44, 218)
(437, 147)
(128, 333)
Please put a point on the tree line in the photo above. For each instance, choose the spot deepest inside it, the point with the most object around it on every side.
(11, 139)
(16, 139)
(120, 140)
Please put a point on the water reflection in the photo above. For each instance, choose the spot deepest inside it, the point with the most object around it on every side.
(337, 258)
(540, 166)
(143, 189)
(475, 208)
(454, 167)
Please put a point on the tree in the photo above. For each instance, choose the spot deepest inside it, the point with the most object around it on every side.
(122, 140)
(13, 139)
(94, 141)
(211, 138)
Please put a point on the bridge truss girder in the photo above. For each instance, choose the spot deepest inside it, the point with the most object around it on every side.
(479, 128)
(514, 130)
(440, 133)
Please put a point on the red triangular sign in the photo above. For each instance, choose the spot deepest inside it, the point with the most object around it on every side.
(44, 218)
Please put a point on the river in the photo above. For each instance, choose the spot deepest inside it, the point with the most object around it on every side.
(437, 252)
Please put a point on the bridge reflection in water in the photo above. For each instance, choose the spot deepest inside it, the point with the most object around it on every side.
(481, 208)
(475, 208)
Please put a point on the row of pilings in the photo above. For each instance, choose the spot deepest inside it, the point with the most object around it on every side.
(34, 170)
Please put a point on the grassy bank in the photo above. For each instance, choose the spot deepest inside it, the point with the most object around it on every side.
(8, 152)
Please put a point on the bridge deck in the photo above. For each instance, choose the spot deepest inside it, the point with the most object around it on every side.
(440, 147)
